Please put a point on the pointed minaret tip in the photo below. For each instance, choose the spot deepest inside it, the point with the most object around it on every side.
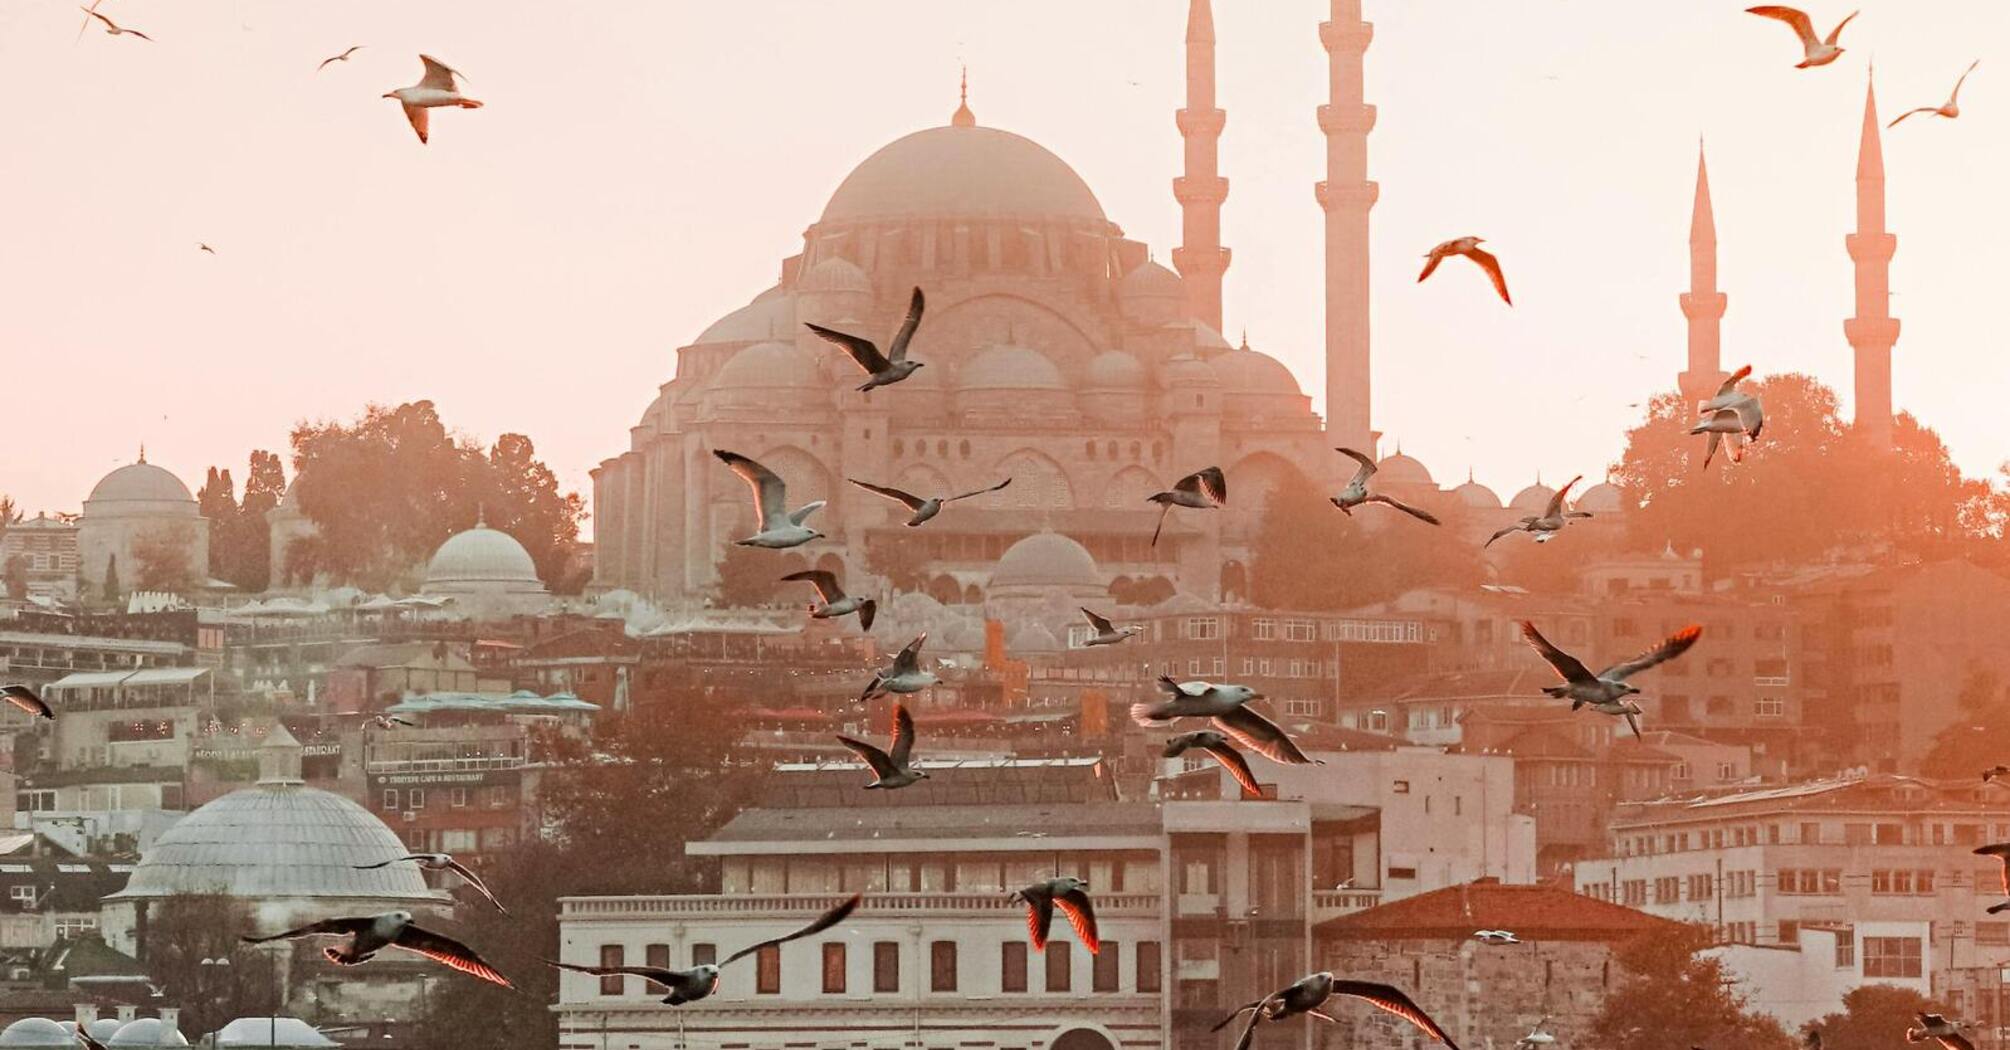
(1870, 149)
(963, 118)
(1702, 217)
(1200, 21)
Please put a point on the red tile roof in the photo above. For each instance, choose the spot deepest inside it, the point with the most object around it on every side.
(1533, 913)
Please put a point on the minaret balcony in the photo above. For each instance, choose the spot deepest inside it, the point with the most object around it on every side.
(1347, 120)
(1703, 306)
(1200, 189)
(1200, 261)
(1871, 331)
(1203, 122)
(1871, 247)
(1346, 36)
(1347, 196)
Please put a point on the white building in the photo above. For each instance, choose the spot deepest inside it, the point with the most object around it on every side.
(141, 523)
(1802, 982)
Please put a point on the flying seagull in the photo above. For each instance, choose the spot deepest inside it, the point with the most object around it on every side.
(1356, 492)
(113, 28)
(1067, 893)
(1732, 413)
(2001, 851)
(433, 90)
(832, 601)
(1606, 691)
(1541, 1036)
(1939, 1029)
(1496, 937)
(1949, 109)
(880, 369)
(385, 722)
(1108, 633)
(1309, 993)
(1227, 706)
(202, 247)
(689, 986)
(923, 508)
(370, 934)
(1995, 771)
(1817, 52)
(442, 862)
(1470, 248)
(1217, 747)
(890, 768)
(1200, 490)
(1550, 522)
(904, 675)
(26, 699)
(775, 526)
(343, 57)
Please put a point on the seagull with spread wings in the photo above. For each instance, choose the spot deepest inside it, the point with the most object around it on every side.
(1550, 522)
(1733, 414)
(832, 601)
(1227, 706)
(775, 526)
(1071, 896)
(1950, 108)
(923, 507)
(689, 986)
(1941, 1030)
(113, 28)
(1201, 490)
(1108, 633)
(1496, 937)
(1815, 51)
(369, 934)
(1470, 248)
(27, 700)
(1217, 747)
(2001, 851)
(1608, 690)
(904, 675)
(890, 768)
(1307, 994)
(881, 369)
(389, 722)
(1356, 492)
(442, 862)
(435, 89)
(343, 57)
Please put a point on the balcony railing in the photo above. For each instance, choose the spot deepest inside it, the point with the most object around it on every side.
(445, 765)
(763, 905)
(1329, 903)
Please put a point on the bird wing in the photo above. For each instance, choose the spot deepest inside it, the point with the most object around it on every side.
(1039, 919)
(1955, 95)
(1237, 766)
(1492, 266)
(976, 492)
(1164, 509)
(909, 657)
(1101, 625)
(872, 756)
(903, 735)
(475, 880)
(1751, 416)
(1075, 905)
(446, 951)
(654, 973)
(822, 922)
(1239, 1011)
(1710, 452)
(1366, 469)
(1416, 512)
(770, 495)
(383, 863)
(1732, 381)
(1792, 16)
(1836, 33)
(826, 583)
(24, 698)
(1556, 501)
(1671, 647)
(1261, 735)
(1923, 109)
(99, 17)
(1213, 484)
(1517, 527)
(898, 351)
(1431, 261)
(912, 501)
(802, 513)
(89, 1043)
(1954, 1041)
(137, 33)
(862, 350)
(420, 121)
(1570, 667)
(1633, 722)
(325, 928)
(1391, 998)
(439, 75)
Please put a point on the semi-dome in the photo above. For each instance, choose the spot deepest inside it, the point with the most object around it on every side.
(772, 315)
(963, 172)
(1254, 372)
(1534, 499)
(1046, 559)
(1011, 368)
(480, 555)
(147, 1031)
(36, 1032)
(140, 482)
(1205, 339)
(1474, 494)
(769, 366)
(1602, 498)
(836, 274)
(1188, 370)
(1033, 638)
(1152, 280)
(1114, 370)
(1399, 469)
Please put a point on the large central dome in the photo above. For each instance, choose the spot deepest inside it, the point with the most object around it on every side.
(963, 171)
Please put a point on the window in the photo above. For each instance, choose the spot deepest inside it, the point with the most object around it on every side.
(1633, 892)
(390, 798)
(1891, 957)
(1401, 787)
(1263, 630)
(1301, 631)
(459, 798)
(657, 955)
(1699, 887)
(1103, 968)
(1790, 931)
(1770, 707)
(885, 966)
(1667, 890)
(1997, 933)
(1203, 628)
(1060, 966)
(1012, 966)
(704, 954)
(415, 798)
(768, 970)
(942, 966)
(23, 892)
(1846, 948)
(1146, 963)
(610, 955)
(833, 967)
(1727, 771)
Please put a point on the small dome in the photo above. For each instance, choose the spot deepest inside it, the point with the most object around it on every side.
(1187, 370)
(1474, 494)
(770, 366)
(104, 1028)
(37, 1032)
(772, 315)
(1254, 372)
(1400, 469)
(962, 172)
(836, 274)
(1033, 638)
(290, 1032)
(1534, 499)
(1152, 281)
(1115, 370)
(1603, 498)
(140, 482)
(1205, 339)
(1011, 368)
(146, 1031)
(1046, 559)
(480, 555)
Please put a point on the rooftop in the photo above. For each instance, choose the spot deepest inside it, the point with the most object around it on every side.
(1537, 912)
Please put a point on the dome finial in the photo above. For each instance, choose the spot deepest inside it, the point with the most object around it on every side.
(279, 758)
(143, 452)
(1245, 337)
(481, 516)
(963, 118)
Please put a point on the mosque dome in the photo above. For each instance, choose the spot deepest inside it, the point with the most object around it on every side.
(1187, 370)
(264, 1031)
(1255, 372)
(1205, 339)
(835, 274)
(1602, 498)
(1152, 280)
(1114, 370)
(1474, 494)
(770, 366)
(141, 482)
(1011, 368)
(772, 315)
(1534, 499)
(1046, 559)
(480, 555)
(104, 1028)
(1033, 638)
(1400, 469)
(36, 1032)
(962, 171)
(147, 1031)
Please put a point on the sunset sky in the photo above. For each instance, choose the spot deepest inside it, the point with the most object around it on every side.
(640, 170)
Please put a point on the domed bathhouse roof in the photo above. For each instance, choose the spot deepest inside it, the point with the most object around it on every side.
(1034, 637)
(1399, 469)
(37, 1032)
(1188, 370)
(1602, 498)
(289, 1032)
(965, 171)
(1533, 499)
(770, 366)
(147, 1031)
(1046, 561)
(1255, 372)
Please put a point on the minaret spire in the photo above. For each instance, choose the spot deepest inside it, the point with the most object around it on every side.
(963, 118)
(1346, 195)
(1873, 330)
(1200, 258)
(1702, 304)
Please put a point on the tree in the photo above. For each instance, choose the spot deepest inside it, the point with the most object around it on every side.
(1873, 1017)
(240, 550)
(1969, 744)
(112, 591)
(530, 507)
(750, 576)
(185, 929)
(1309, 556)
(1669, 997)
(161, 555)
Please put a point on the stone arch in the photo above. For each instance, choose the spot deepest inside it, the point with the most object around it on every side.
(831, 562)
(920, 480)
(973, 594)
(943, 589)
(990, 318)
(806, 475)
(1038, 482)
(1127, 488)
(1083, 1037)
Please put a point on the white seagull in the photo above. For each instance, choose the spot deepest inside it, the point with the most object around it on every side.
(1550, 522)
(904, 675)
(832, 601)
(1816, 51)
(113, 28)
(1949, 109)
(890, 768)
(1071, 896)
(775, 526)
(1356, 492)
(880, 369)
(1496, 937)
(1732, 413)
(442, 862)
(343, 57)
(1200, 490)
(1541, 1036)
(433, 90)
(1470, 248)
(386, 722)
(1307, 994)
(1607, 691)
(369, 934)
(689, 986)
(923, 508)
(1217, 747)
(1227, 706)
(27, 700)
(1108, 633)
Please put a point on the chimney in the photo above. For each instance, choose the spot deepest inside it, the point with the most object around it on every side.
(170, 1018)
(86, 1013)
(127, 1012)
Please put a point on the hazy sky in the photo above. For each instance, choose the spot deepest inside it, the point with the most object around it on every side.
(640, 170)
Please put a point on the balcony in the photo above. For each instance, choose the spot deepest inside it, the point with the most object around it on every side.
(1197, 905)
(1331, 904)
(773, 905)
(445, 765)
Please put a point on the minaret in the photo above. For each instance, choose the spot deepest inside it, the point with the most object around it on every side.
(1346, 196)
(1702, 304)
(1872, 331)
(1200, 258)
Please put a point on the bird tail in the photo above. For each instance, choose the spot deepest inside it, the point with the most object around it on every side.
(867, 609)
(1149, 714)
(1557, 692)
(342, 956)
(1997, 908)
(470, 103)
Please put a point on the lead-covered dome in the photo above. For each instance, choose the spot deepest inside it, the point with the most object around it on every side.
(142, 482)
(771, 315)
(480, 555)
(1400, 469)
(147, 1031)
(1602, 498)
(1114, 370)
(1253, 372)
(36, 1032)
(1534, 499)
(1474, 494)
(1046, 559)
(1011, 368)
(770, 366)
(962, 171)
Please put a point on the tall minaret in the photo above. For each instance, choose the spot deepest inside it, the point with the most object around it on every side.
(1346, 196)
(1200, 258)
(1872, 331)
(1702, 304)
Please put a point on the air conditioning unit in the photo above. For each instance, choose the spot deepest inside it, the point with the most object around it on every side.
(410, 816)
